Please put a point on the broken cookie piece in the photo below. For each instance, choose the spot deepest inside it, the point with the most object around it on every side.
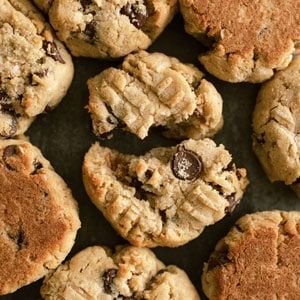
(276, 126)
(167, 196)
(258, 259)
(247, 40)
(38, 216)
(152, 89)
(108, 29)
(35, 70)
(129, 273)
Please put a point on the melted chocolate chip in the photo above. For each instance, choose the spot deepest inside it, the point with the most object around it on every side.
(90, 29)
(4, 97)
(108, 278)
(52, 51)
(186, 164)
(9, 151)
(232, 204)
(136, 12)
(221, 258)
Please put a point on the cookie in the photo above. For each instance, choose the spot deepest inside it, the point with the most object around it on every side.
(258, 259)
(43, 5)
(128, 273)
(152, 89)
(35, 68)
(248, 40)
(112, 28)
(38, 216)
(167, 196)
(276, 126)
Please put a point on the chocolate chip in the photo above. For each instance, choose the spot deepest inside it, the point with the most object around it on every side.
(136, 12)
(37, 166)
(232, 204)
(9, 151)
(4, 97)
(163, 215)
(148, 174)
(108, 277)
(52, 51)
(85, 3)
(219, 259)
(90, 29)
(186, 164)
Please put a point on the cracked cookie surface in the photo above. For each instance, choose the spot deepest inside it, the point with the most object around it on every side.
(249, 40)
(35, 68)
(276, 125)
(258, 259)
(130, 273)
(112, 28)
(152, 89)
(167, 196)
(38, 216)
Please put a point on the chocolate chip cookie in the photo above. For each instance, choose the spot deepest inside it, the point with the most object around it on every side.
(258, 259)
(38, 216)
(35, 68)
(128, 273)
(248, 40)
(276, 125)
(152, 89)
(110, 29)
(167, 196)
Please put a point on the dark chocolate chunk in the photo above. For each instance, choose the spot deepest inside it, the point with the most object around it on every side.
(108, 278)
(148, 174)
(232, 204)
(219, 259)
(136, 12)
(186, 164)
(9, 151)
(90, 29)
(52, 51)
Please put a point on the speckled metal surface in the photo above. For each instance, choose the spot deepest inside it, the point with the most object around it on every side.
(64, 135)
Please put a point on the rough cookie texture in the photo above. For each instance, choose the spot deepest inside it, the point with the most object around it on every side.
(35, 68)
(258, 259)
(166, 197)
(43, 5)
(129, 273)
(152, 89)
(38, 216)
(276, 125)
(112, 28)
(249, 40)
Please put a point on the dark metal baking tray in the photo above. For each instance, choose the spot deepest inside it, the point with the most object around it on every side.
(64, 135)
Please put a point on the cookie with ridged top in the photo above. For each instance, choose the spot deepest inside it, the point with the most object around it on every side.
(276, 126)
(38, 216)
(128, 273)
(112, 28)
(248, 40)
(153, 89)
(167, 196)
(35, 68)
(258, 259)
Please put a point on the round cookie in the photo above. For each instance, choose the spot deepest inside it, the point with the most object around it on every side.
(35, 68)
(43, 5)
(248, 40)
(38, 216)
(129, 273)
(152, 89)
(276, 125)
(111, 28)
(258, 259)
(167, 196)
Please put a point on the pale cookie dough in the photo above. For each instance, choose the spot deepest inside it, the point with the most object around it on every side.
(248, 40)
(111, 28)
(38, 216)
(35, 68)
(167, 196)
(258, 259)
(152, 89)
(276, 126)
(130, 273)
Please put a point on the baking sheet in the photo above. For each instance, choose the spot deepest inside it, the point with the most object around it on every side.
(64, 135)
